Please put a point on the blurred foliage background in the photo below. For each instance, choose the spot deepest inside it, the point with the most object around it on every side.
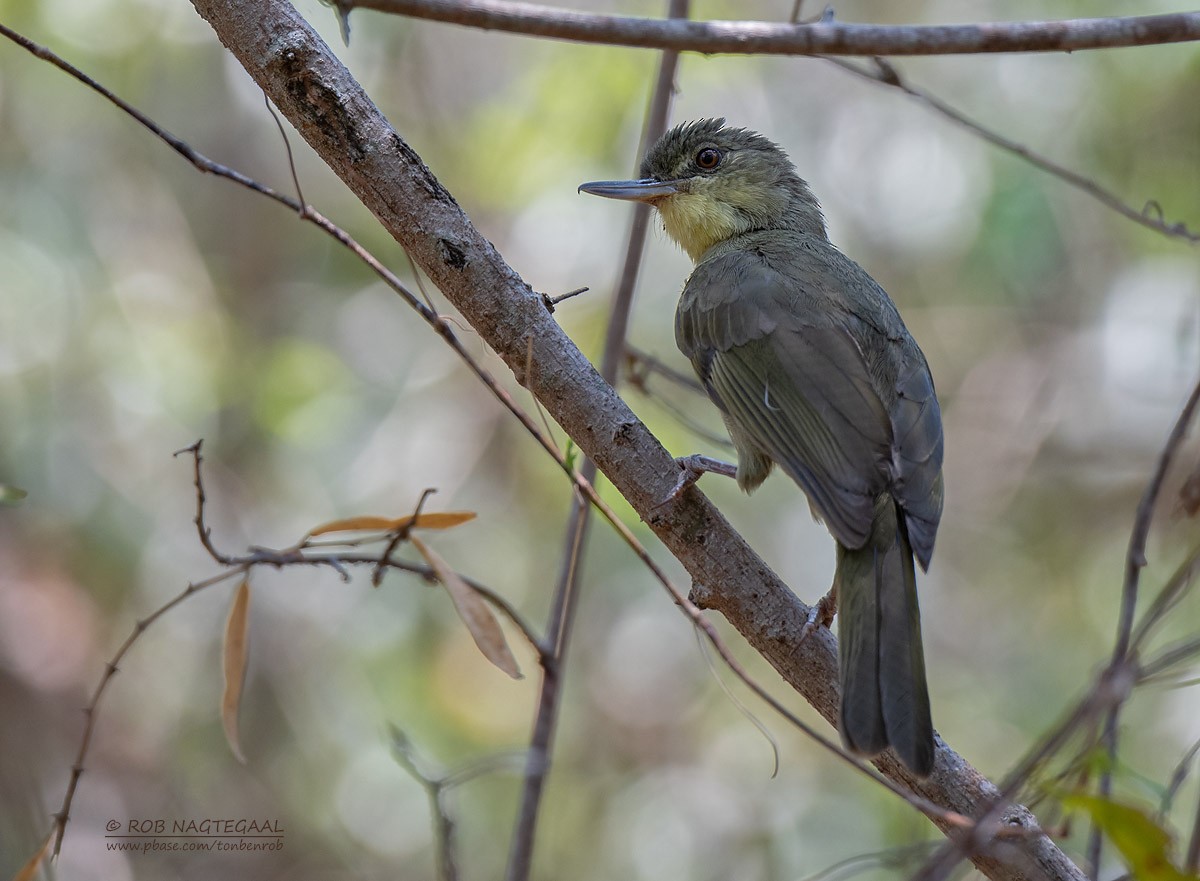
(143, 306)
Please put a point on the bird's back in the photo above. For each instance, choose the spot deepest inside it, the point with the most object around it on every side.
(780, 291)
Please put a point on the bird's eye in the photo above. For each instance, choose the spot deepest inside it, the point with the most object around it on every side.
(708, 158)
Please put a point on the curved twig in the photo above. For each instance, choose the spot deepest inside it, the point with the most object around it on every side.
(1151, 216)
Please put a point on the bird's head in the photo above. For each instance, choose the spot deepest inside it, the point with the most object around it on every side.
(711, 182)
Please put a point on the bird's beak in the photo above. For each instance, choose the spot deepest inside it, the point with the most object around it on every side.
(631, 190)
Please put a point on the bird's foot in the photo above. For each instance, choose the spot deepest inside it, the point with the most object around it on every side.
(692, 468)
(820, 614)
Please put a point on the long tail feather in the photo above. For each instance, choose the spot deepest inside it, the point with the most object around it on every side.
(885, 700)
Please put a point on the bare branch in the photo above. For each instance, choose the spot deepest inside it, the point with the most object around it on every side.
(1135, 557)
(640, 367)
(820, 38)
(1135, 561)
(110, 670)
(1172, 592)
(243, 565)
(642, 364)
(566, 593)
(444, 827)
(201, 498)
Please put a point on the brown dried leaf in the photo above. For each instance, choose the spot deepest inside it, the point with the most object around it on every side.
(357, 524)
(235, 655)
(444, 519)
(437, 520)
(29, 870)
(474, 611)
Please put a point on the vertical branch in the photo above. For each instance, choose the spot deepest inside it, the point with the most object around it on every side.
(1135, 561)
(444, 827)
(558, 628)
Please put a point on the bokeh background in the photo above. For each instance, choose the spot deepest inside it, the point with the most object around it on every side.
(143, 306)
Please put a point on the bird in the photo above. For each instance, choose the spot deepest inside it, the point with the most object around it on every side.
(813, 370)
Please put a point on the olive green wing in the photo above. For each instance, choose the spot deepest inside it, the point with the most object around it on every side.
(796, 384)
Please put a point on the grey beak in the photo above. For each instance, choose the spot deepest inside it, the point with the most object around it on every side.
(631, 190)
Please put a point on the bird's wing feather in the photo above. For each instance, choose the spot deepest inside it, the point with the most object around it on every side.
(917, 461)
(796, 384)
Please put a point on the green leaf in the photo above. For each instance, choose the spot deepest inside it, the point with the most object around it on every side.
(1143, 844)
(11, 495)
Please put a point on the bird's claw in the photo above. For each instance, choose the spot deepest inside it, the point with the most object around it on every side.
(820, 614)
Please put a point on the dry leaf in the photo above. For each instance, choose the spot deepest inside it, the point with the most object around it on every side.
(474, 611)
(437, 520)
(237, 651)
(29, 870)
(443, 519)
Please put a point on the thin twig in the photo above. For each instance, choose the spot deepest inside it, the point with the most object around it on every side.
(1178, 776)
(435, 786)
(641, 367)
(551, 302)
(243, 565)
(399, 536)
(1172, 656)
(1168, 597)
(296, 556)
(559, 626)
(520, 856)
(822, 38)
(894, 858)
(1135, 561)
(886, 74)
(287, 146)
(490, 764)
(1191, 861)
(110, 670)
(201, 498)
(643, 363)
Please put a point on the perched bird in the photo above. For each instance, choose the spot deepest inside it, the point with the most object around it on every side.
(813, 370)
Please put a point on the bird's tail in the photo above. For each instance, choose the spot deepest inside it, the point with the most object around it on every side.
(885, 701)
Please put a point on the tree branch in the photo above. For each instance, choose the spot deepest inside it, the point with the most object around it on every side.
(776, 38)
(320, 98)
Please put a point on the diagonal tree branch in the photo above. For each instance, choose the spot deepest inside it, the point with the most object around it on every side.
(777, 38)
(328, 107)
